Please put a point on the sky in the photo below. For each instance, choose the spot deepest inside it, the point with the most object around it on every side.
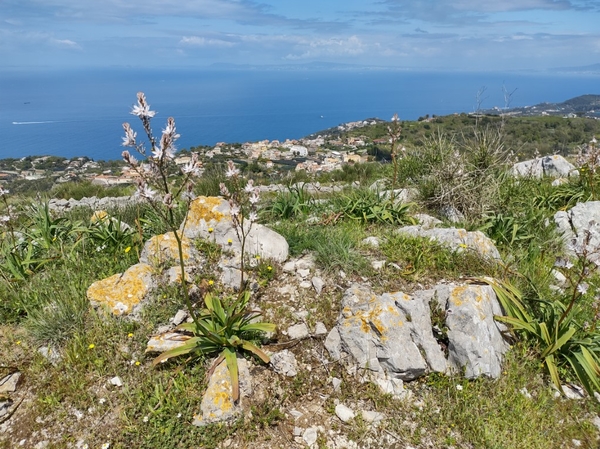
(472, 35)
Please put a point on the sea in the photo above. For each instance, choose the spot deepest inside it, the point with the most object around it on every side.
(73, 113)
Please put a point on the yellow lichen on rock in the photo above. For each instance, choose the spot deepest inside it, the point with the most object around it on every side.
(121, 293)
(163, 248)
(205, 208)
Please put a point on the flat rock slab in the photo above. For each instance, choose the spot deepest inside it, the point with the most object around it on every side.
(456, 239)
(8, 384)
(166, 341)
(122, 294)
(217, 403)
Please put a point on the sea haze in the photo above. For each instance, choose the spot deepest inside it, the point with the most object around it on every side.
(80, 113)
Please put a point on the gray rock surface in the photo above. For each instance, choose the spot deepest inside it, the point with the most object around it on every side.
(392, 335)
(580, 226)
(554, 166)
(8, 384)
(344, 413)
(217, 403)
(284, 362)
(456, 239)
(209, 218)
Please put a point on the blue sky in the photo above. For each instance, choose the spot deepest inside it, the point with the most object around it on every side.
(455, 34)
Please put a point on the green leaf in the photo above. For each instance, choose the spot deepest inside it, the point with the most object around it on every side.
(560, 342)
(186, 348)
(255, 350)
(232, 366)
(259, 327)
(551, 365)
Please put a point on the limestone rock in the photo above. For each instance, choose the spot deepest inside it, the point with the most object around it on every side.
(8, 384)
(284, 362)
(122, 294)
(217, 403)
(162, 249)
(576, 223)
(298, 331)
(344, 413)
(101, 216)
(476, 342)
(427, 221)
(166, 341)
(392, 335)
(318, 284)
(457, 239)
(554, 166)
(209, 218)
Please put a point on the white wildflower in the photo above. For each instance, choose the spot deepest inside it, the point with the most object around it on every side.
(145, 419)
(146, 192)
(157, 153)
(105, 446)
(583, 288)
(564, 263)
(4, 218)
(142, 109)
(235, 210)
(250, 186)
(253, 198)
(253, 216)
(130, 134)
(3, 191)
(459, 387)
(224, 190)
(191, 168)
(231, 170)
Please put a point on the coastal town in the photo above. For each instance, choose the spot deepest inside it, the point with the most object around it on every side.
(313, 154)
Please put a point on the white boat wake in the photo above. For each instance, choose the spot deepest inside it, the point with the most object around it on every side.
(32, 123)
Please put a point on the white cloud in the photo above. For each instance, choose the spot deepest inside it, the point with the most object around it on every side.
(197, 41)
(64, 43)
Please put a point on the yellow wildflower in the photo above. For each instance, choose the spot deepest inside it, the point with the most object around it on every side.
(91, 346)
(130, 335)
(210, 229)
(128, 249)
(211, 282)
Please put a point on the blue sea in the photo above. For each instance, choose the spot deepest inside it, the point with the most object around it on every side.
(80, 113)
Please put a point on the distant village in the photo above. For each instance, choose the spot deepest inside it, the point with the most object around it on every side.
(312, 154)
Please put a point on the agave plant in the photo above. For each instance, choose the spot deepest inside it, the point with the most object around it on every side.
(227, 329)
(561, 341)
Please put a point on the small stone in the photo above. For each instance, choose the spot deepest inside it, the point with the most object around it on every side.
(296, 414)
(596, 422)
(303, 273)
(572, 391)
(372, 416)
(576, 443)
(525, 393)
(318, 284)
(284, 362)
(320, 329)
(344, 413)
(305, 284)
(298, 331)
(50, 354)
(166, 341)
(289, 267)
(298, 431)
(597, 396)
(179, 317)
(9, 383)
(372, 241)
(116, 381)
(337, 383)
(310, 436)
(378, 264)
(342, 274)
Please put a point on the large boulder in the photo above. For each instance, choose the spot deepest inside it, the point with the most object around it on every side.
(456, 239)
(123, 293)
(553, 166)
(209, 218)
(392, 335)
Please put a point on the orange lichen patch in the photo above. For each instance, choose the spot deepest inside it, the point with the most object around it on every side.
(163, 248)
(120, 293)
(204, 208)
